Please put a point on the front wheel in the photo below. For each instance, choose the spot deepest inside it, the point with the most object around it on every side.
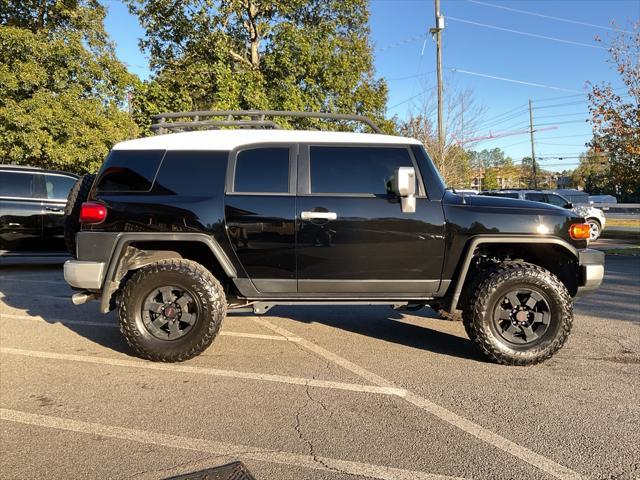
(172, 310)
(520, 314)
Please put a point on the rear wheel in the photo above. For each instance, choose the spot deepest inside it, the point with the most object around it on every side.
(520, 314)
(77, 196)
(595, 229)
(172, 310)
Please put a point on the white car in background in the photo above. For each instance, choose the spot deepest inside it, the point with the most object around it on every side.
(594, 216)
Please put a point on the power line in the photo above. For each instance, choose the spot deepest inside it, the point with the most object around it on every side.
(559, 19)
(561, 144)
(505, 79)
(405, 41)
(520, 107)
(535, 35)
(562, 115)
(563, 123)
(409, 76)
(410, 98)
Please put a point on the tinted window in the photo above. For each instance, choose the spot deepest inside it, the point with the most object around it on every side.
(58, 186)
(536, 197)
(500, 194)
(193, 173)
(129, 170)
(17, 184)
(263, 170)
(355, 169)
(556, 200)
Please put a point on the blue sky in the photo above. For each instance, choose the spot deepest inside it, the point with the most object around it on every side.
(405, 56)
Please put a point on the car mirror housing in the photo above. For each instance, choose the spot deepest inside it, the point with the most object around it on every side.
(404, 186)
(569, 205)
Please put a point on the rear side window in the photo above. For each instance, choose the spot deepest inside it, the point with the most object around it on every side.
(191, 173)
(58, 186)
(355, 169)
(262, 170)
(129, 170)
(556, 200)
(17, 184)
(536, 197)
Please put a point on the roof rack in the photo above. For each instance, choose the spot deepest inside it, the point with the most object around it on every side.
(234, 118)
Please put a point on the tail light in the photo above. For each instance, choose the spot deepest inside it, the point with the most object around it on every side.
(580, 231)
(92, 212)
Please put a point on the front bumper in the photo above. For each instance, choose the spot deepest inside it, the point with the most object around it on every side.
(591, 264)
(84, 275)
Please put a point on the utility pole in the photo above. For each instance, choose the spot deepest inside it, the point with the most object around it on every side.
(437, 32)
(533, 151)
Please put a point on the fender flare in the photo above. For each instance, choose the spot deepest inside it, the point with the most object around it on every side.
(496, 239)
(130, 258)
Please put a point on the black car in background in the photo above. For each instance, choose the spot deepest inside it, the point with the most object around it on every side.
(32, 203)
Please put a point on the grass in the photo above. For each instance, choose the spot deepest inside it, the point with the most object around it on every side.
(623, 222)
(630, 251)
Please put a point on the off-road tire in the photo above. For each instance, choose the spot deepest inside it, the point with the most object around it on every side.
(199, 283)
(478, 313)
(77, 195)
(598, 225)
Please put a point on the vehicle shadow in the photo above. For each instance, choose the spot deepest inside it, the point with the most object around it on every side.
(386, 324)
(52, 304)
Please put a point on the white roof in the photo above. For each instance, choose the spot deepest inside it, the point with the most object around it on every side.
(230, 139)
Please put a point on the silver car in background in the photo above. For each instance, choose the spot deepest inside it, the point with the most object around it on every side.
(594, 216)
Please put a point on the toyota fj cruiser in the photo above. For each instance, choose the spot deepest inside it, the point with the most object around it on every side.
(177, 228)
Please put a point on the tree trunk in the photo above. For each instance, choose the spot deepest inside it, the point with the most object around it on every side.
(254, 37)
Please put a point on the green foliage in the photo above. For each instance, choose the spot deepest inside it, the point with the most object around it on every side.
(615, 120)
(490, 180)
(490, 158)
(592, 174)
(61, 86)
(257, 54)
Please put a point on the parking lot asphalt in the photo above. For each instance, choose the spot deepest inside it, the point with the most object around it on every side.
(315, 392)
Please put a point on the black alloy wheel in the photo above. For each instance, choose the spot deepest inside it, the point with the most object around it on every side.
(522, 317)
(169, 312)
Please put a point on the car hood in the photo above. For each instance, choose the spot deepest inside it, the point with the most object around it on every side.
(502, 202)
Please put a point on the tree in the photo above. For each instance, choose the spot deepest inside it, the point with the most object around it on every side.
(257, 54)
(615, 119)
(462, 115)
(490, 179)
(592, 173)
(61, 86)
(490, 158)
(526, 172)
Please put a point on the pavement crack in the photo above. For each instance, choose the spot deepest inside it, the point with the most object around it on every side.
(311, 449)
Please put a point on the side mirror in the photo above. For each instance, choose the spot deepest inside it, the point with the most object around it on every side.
(569, 206)
(404, 186)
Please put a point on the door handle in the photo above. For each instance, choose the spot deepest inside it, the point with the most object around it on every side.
(54, 209)
(318, 215)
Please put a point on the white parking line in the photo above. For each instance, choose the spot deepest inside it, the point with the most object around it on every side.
(543, 463)
(265, 377)
(218, 448)
(54, 321)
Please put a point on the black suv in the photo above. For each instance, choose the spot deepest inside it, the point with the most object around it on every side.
(32, 203)
(178, 228)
